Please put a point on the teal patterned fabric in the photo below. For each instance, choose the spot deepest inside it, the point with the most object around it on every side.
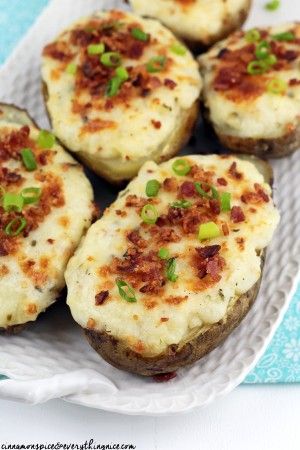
(281, 362)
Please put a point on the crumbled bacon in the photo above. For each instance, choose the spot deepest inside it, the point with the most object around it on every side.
(163, 235)
(199, 174)
(236, 214)
(101, 297)
(222, 182)
(170, 83)
(187, 189)
(170, 184)
(8, 177)
(234, 172)
(209, 262)
(156, 124)
(12, 143)
(255, 197)
(135, 237)
(215, 206)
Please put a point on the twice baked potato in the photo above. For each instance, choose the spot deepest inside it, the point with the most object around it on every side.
(200, 23)
(251, 90)
(45, 208)
(120, 90)
(175, 263)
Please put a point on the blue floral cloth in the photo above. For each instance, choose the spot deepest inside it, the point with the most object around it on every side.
(281, 362)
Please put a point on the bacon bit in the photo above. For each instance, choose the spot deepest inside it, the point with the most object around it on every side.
(150, 304)
(209, 251)
(91, 323)
(187, 189)
(199, 174)
(121, 213)
(101, 297)
(31, 308)
(215, 206)
(133, 200)
(164, 377)
(253, 210)
(58, 50)
(12, 143)
(234, 173)
(170, 184)
(8, 177)
(236, 214)
(93, 126)
(164, 319)
(225, 229)
(241, 243)
(208, 262)
(164, 235)
(222, 182)
(46, 157)
(135, 237)
(255, 197)
(4, 270)
(170, 83)
(175, 300)
(156, 124)
(294, 82)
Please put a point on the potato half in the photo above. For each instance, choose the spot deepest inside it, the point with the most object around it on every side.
(120, 90)
(174, 264)
(45, 208)
(251, 90)
(200, 23)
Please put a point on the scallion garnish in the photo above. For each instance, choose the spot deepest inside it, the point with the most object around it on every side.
(12, 202)
(163, 253)
(111, 59)
(96, 49)
(116, 82)
(121, 72)
(272, 5)
(262, 50)
(252, 35)
(225, 199)
(156, 64)
(257, 67)
(139, 34)
(285, 36)
(149, 214)
(28, 159)
(270, 60)
(277, 86)
(214, 193)
(152, 188)
(71, 69)
(171, 268)
(181, 204)
(31, 195)
(45, 139)
(15, 226)
(181, 167)
(208, 230)
(178, 49)
(126, 291)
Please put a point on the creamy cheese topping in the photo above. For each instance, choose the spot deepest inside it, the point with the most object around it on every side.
(32, 263)
(197, 20)
(136, 122)
(246, 105)
(210, 274)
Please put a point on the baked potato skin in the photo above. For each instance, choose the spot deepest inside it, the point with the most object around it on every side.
(121, 357)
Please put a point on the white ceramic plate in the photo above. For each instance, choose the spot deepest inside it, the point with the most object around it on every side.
(52, 359)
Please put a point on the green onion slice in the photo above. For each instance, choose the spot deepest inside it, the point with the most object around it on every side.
(156, 64)
(262, 50)
(178, 49)
(272, 5)
(12, 202)
(71, 69)
(181, 204)
(139, 34)
(208, 230)
(31, 195)
(126, 291)
(121, 72)
(111, 59)
(46, 139)
(225, 201)
(28, 159)
(15, 226)
(181, 167)
(163, 253)
(149, 214)
(152, 188)
(214, 193)
(113, 86)
(257, 67)
(252, 35)
(270, 60)
(96, 49)
(277, 86)
(286, 36)
(171, 268)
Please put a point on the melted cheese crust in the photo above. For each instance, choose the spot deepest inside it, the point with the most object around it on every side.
(32, 277)
(265, 115)
(133, 134)
(198, 20)
(187, 305)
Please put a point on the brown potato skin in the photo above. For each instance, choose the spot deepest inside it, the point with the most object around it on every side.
(117, 354)
(14, 329)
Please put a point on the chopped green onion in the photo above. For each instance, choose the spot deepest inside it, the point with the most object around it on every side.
(28, 159)
(178, 49)
(272, 5)
(171, 267)
(46, 139)
(126, 291)
(152, 188)
(252, 35)
(262, 50)
(181, 204)
(12, 202)
(11, 228)
(121, 72)
(181, 167)
(225, 201)
(71, 69)
(2, 192)
(286, 36)
(208, 230)
(111, 59)
(113, 86)
(149, 214)
(156, 64)
(96, 49)
(31, 195)
(205, 194)
(257, 67)
(139, 34)
(270, 60)
(277, 86)
(163, 253)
